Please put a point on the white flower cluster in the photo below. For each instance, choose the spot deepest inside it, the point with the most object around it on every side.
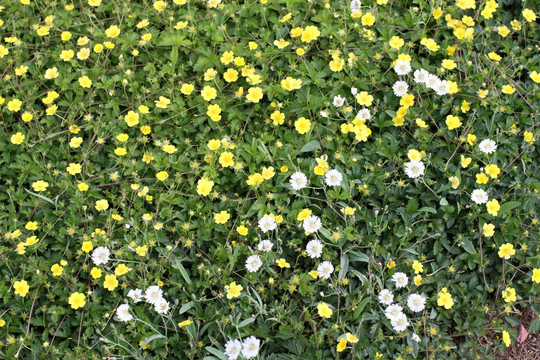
(249, 348)
(394, 312)
(153, 295)
(433, 82)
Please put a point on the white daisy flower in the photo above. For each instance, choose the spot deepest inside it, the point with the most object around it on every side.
(232, 349)
(298, 181)
(267, 223)
(479, 196)
(123, 313)
(153, 294)
(393, 311)
(136, 295)
(253, 263)
(402, 67)
(161, 306)
(325, 269)
(420, 76)
(101, 255)
(312, 223)
(432, 81)
(363, 114)
(338, 101)
(354, 90)
(414, 169)
(386, 297)
(487, 146)
(442, 88)
(265, 246)
(355, 7)
(314, 249)
(400, 279)
(333, 178)
(400, 88)
(416, 302)
(400, 323)
(250, 349)
(323, 114)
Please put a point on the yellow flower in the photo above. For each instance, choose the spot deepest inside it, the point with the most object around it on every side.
(506, 251)
(341, 345)
(267, 172)
(17, 138)
(437, 13)
(66, 55)
(506, 338)
(281, 43)
(535, 76)
(254, 94)
(282, 263)
(101, 205)
(110, 282)
(214, 144)
(351, 338)
(291, 84)
(509, 294)
(444, 298)
(162, 175)
(452, 122)
(204, 186)
(233, 290)
(208, 93)
(160, 5)
(254, 179)
(214, 112)
(95, 273)
(529, 15)
(489, 230)
(417, 280)
(185, 323)
(31, 240)
(226, 159)
(21, 288)
(368, 19)
(87, 246)
(417, 267)
(242, 230)
(277, 117)
(121, 270)
(492, 170)
(324, 310)
(364, 98)
(396, 42)
(85, 81)
(82, 186)
(304, 214)
(141, 250)
(454, 181)
(57, 270)
(310, 33)
(536, 276)
(508, 89)
(449, 64)
(14, 105)
(74, 168)
(481, 178)
(302, 125)
(493, 207)
(187, 89)
(222, 217)
(465, 161)
(336, 64)
(77, 300)
(162, 102)
(231, 75)
(132, 118)
(94, 2)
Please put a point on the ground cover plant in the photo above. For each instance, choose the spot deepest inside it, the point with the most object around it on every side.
(271, 179)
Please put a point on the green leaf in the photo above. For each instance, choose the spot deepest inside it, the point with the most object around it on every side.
(506, 207)
(174, 54)
(180, 267)
(310, 146)
(468, 246)
(216, 352)
(151, 338)
(428, 209)
(186, 307)
(534, 326)
(41, 197)
(246, 322)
